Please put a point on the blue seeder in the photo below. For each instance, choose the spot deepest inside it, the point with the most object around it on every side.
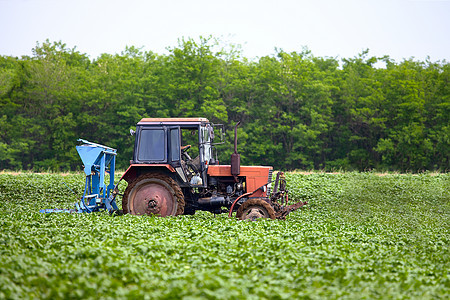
(97, 195)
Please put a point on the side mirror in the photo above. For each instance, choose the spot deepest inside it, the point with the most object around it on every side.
(132, 132)
(219, 131)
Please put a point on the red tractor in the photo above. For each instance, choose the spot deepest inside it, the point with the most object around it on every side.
(175, 171)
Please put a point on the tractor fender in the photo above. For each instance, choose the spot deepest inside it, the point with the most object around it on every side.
(135, 170)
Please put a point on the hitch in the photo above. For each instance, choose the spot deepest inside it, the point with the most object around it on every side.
(280, 198)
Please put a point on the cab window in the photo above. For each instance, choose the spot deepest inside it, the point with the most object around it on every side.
(152, 145)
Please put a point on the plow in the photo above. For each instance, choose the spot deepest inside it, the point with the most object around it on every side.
(167, 176)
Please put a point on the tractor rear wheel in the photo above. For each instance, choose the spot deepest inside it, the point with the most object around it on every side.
(255, 208)
(153, 194)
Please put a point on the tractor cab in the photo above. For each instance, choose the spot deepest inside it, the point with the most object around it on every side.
(181, 145)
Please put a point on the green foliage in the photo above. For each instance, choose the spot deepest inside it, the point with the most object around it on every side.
(362, 236)
(297, 111)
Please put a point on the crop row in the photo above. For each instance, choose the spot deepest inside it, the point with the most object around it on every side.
(361, 236)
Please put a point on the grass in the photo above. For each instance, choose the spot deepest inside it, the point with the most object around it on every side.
(361, 236)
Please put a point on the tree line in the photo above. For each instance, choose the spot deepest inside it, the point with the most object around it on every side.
(297, 111)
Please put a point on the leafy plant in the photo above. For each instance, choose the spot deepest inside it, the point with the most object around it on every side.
(361, 236)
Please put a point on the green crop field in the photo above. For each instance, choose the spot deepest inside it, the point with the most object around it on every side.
(362, 236)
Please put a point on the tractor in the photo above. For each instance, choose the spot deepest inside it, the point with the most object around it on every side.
(175, 171)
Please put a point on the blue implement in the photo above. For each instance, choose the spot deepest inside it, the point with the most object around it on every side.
(98, 195)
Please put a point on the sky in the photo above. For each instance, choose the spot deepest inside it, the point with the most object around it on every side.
(401, 29)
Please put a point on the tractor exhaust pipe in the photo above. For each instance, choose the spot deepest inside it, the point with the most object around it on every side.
(235, 157)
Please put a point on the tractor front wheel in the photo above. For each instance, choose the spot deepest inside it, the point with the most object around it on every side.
(153, 194)
(254, 209)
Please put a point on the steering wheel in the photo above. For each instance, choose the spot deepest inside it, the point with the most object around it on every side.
(185, 148)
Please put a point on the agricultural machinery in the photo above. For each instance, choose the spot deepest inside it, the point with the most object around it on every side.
(97, 160)
(168, 176)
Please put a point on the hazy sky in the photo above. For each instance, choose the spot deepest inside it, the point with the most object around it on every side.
(339, 28)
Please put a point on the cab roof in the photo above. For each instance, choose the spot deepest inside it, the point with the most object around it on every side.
(172, 121)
